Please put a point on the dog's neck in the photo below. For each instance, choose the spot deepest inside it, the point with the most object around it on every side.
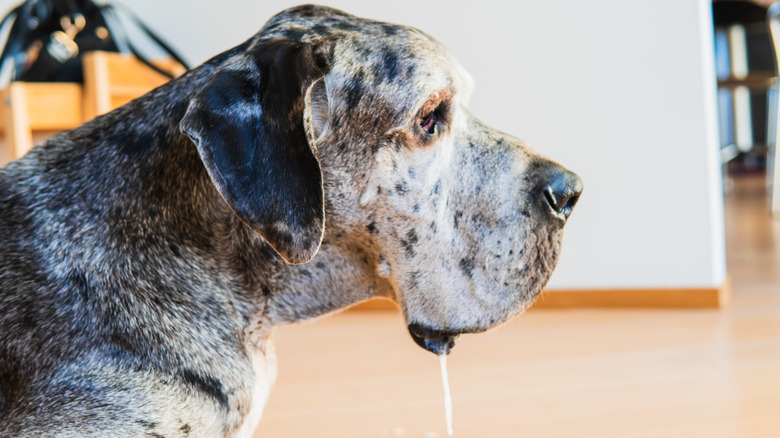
(339, 276)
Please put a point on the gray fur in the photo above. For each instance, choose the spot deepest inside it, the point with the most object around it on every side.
(133, 300)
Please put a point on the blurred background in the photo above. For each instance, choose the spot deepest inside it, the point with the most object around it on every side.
(663, 316)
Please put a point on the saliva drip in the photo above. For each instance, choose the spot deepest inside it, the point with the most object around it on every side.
(447, 397)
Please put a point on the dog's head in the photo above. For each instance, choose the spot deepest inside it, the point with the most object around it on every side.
(368, 121)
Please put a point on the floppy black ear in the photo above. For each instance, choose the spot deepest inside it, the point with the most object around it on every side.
(248, 125)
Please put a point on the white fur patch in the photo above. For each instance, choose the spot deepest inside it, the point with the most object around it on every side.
(264, 364)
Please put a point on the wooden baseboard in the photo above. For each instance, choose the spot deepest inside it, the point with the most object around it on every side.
(376, 304)
(684, 298)
(689, 298)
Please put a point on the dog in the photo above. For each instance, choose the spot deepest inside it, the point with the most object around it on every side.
(148, 254)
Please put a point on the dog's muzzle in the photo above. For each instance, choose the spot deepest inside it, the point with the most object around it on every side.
(437, 342)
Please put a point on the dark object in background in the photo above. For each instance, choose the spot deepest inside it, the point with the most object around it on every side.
(727, 12)
(751, 68)
(48, 37)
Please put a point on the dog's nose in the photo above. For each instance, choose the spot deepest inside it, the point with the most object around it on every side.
(562, 191)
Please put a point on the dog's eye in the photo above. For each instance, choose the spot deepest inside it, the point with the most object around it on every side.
(428, 123)
(433, 117)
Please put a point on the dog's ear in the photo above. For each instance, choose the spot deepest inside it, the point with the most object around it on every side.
(252, 127)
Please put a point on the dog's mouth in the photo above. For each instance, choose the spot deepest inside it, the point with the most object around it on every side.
(438, 342)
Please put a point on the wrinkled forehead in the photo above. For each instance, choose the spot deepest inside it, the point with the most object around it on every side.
(390, 58)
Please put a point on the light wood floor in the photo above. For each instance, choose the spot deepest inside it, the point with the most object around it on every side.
(554, 373)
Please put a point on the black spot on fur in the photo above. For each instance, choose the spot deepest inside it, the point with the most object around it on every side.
(355, 90)
(306, 10)
(343, 25)
(175, 250)
(390, 64)
(467, 266)
(319, 28)
(147, 424)
(401, 188)
(457, 216)
(206, 384)
(372, 228)
(378, 81)
(416, 208)
(185, 429)
(293, 34)
(389, 29)
(150, 425)
(410, 242)
(414, 279)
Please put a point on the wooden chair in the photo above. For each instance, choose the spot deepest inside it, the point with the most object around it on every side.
(37, 106)
(112, 79)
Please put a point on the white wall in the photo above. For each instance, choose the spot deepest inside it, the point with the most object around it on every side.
(622, 92)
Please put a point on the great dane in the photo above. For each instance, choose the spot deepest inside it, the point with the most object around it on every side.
(146, 256)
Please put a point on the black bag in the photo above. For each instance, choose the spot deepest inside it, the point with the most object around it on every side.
(48, 37)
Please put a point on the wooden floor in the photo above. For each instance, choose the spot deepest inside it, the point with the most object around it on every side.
(554, 373)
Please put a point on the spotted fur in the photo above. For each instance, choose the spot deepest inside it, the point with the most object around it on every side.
(147, 255)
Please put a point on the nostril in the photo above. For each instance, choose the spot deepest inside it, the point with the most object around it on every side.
(563, 192)
(569, 206)
(550, 197)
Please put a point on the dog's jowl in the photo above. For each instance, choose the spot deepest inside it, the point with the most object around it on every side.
(146, 256)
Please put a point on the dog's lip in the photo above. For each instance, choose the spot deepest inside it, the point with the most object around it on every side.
(438, 342)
